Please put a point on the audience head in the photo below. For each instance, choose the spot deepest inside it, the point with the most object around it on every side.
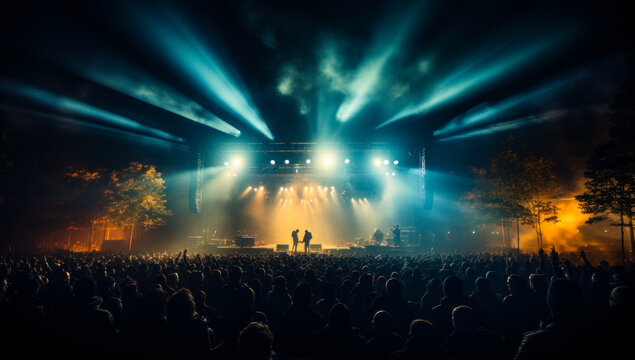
(382, 321)
(538, 282)
(422, 329)
(84, 291)
(302, 294)
(255, 342)
(452, 287)
(152, 304)
(181, 306)
(516, 283)
(339, 316)
(564, 298)
(393, 287)
(464, 318)
(280, 283)
(482, 284)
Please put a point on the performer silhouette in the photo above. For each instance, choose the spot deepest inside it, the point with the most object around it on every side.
(377, 237)
(307, 240)
(294, 236)
(396, 235)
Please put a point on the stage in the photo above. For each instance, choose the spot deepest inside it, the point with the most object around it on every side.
(284, 248)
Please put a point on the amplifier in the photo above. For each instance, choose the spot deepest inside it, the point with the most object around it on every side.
(282, 247)
(244, 241)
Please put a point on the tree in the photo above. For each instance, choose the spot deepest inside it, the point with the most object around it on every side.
(136, 197)
(610, 171)
(540, 190)
(82, 200)
(517, 188)
(538, 212)
(609, 187)
(498, 189)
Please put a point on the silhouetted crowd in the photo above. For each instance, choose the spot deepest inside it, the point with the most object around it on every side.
(279, 306)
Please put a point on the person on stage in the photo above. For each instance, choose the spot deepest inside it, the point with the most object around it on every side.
(294, 236)
(396, 235)
(307, 240)
(377, 237)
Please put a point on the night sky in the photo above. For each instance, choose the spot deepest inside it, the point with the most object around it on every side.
(458, 77)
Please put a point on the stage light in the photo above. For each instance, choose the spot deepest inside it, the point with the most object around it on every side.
(387, 174)
(261, 188)
(272, 162)
(473, 232)
(393, 174)
(308, 161)
(448, 232)
(237, 162)
(386, 162)
(332, 187)
(396, 162)
(306, 187)
(377, 162)
(234, 174)
(327, 161)
(255, 189)
(347, 161)
(281, 189)
(291, 188)
(286, 190)
(226, 163)
(286, 162)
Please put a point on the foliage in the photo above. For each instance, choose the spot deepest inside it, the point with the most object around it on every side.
(517, 187)
(136, 197)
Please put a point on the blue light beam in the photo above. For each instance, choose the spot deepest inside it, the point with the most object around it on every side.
(66, 104)
(102, 129)
(484, 113)
(142, 87)
(183, 49)
(473, 78)
(511, 125)
(364, 82)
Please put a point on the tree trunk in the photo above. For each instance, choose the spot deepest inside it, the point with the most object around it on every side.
(630, 226)
(622, 231)
(91, 234)
(518, 236)
(131, 234)
(503, 232)
(540, 233)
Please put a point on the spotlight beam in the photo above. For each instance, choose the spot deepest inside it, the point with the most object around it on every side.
(102, 129)
(474, 77)
(484, 113)
(367, 76)
(143, 87)
(77, 107)
(183, 49)
(510, 125)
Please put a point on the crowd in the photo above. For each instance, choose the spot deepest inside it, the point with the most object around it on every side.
(279, 306)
